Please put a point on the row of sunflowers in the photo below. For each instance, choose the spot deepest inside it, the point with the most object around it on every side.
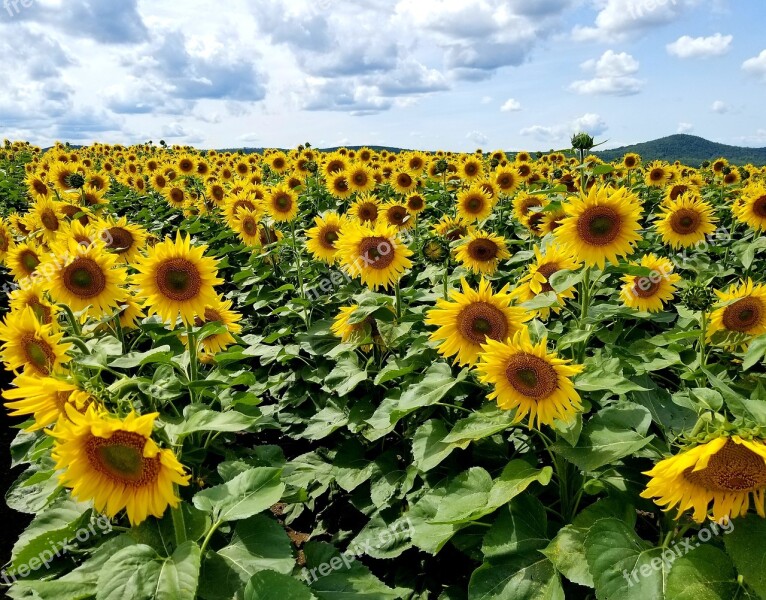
(375, 374)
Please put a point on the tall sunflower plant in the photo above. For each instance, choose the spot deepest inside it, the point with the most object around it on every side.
(365, 373)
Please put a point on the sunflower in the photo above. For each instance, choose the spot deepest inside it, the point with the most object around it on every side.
(360, 179)
(472, 317)
(452, 229)
(529, 379)
(49, 217)
(6, 240)
(23, 260)
(482, 251)
(38, 188)
(28, 344)
(403, 182)
(751, 207)
(33, 295)
(67, 176)
(365, 209)
(282, 203)
(470, 168)
(245, 225)
(130, 312)
(175, 278)
(744, 313)
(601, 226)
(631, 161)
(416, 203)
(375, 254)
(185, 165)
(537, 279)
(397, 215)
(175, 195)
(321, 239)
(657, 174)
(219, 312)
(523, 203)
(115, 463)
(507, 180)
(278, 162)
(726, 471)
(686, 221)
(650, 292)
(354, 333)
(86, 276)
(339, 186)
(44, 398)
(124, 239)
(474, 204)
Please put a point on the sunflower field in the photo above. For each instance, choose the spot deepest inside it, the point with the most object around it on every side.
(365, 374)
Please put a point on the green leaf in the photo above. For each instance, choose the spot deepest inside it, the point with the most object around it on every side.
(345, 377)
(705, 573)
(756, 352)
(623, 565)
(246, 495)
(428, 449)
(139, 573)
(611, 434)
(745, 544)
(520, 528)
(269, 585)
(564, 279)
(211, 420)
(161, 354)
(486, 421)
(526, 577)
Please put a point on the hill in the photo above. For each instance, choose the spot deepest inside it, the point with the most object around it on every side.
(689, 149)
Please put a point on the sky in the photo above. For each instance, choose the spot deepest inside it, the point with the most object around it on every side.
(428, 74)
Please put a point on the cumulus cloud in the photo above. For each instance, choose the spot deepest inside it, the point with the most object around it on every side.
(618, 20)
(720, 107)
(613, 75)
(756, 65)
(685, 128)
(511, 105)
(478, 137)
(591, 123)
(700, 47)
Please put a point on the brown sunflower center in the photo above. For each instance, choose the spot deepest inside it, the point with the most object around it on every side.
(378, 252)
(178, 279)
(474, 204)
(340, 185)
(743, 314)
(29, 260)
(759, 207)
(481, 320)
(4, 242)
(121, 458)
(547, 270)
(84, 278)
(630, 161)
(397, 215)
(367, 212)
(685, 221)
(177, 195)
(531, 376)
(471, 169)
(505, 181)
(645, 287)
(656, 175)
(186, 165)
(677, 190)
(49, 220)
(283, 202)
(404, 180)
(360, 178)
(121, 239)
(38, 353)
(328, 237)
(42, 311)
(482, 250)
(212, 315)
(249, 226)
(415, 202)
(734, 468)
(599, 225)
(40, 187)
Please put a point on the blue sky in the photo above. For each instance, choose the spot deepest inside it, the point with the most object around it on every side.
(454, 74)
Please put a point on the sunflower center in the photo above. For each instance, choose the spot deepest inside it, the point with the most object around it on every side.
(759, 207)
(743, 315)
(734, 468)
(685, 221)
(121, 458)
(49, 220)
(367, 212)
(3, 242)
(645, 287)
(531, 376)
(546, 270)
(178, 279)
(42, 312)
(482, 250)
(404, 180)
(397, 215)
(474, 204)
(677, 190)
(329, 237)
(481, 320)
(283, 202)
(121, 239)
(249, 226)
(38, 353)
(415, 202)
(40, 187)
(657, 175)
(177, 195)
(505, 181)
(341, 185)
(84, 278)
(29, 260)
(378, 252)
(599, 225)
(212, 315)
(360, 178)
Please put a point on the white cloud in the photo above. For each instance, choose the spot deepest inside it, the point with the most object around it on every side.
(756, 65)
(511, 105)
(700, 47)
(486, 100)
(720, 107)
(477, 137)
(685, 128)
(618, 20)
(613, 76)
(561, 133)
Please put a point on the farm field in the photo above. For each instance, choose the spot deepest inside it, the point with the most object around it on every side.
(364, 374)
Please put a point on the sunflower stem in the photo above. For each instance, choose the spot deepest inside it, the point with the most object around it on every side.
(191, 341)
(72, 320)
(398, 292)
(120, 333)
(703, 340)
(446, 281)
(300, 274)
(179, 524)
(584, 308)
(206, 542)
(77, 342)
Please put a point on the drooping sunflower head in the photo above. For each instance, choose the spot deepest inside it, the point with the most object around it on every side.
(355, 331)
(175, 279)
(602, 226)
(321, 239)
(727, 472)
(375, 254)
(743, 313)
(482, 252)
(114, 463)
(751, 207)
(526, 378)
(649, 292)
(451, 229)
(470, 317)
(30, 345)
(686, 221)
(474, 204)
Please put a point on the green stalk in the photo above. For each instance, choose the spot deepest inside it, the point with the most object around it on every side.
(72, 320)
(191, 341)
(703, 340)
(398, 292)
(300, 273)
(584, 308)
(179, 525)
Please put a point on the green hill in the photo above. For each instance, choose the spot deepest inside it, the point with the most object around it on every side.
(689, 149)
